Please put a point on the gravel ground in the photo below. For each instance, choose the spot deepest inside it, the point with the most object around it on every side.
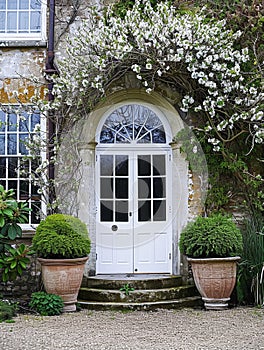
(238, 328)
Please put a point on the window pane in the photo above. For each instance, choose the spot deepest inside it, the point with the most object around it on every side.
(158, 135)
(2, 144)
(106, 188)
(121, 188)
(159, 164)
(144, 165)
(35, 119)
(106, 211)
(35, 4)
(23, 139)
(121, 212)
(11, 144)
(106, 165)
(23, 24)
(35, 213)
(2, 121)
(24, 4)
(12, 167)
(144, 210)
(144, 188)
(12, 184)
(121, 165)
(12, 4)
(11, 122)
(23, 122)
(159, 210)
(2, 167)
(159, 187)
(35, 18)
(11, 22)
(2, 21)
(2, 4)
(24, 190)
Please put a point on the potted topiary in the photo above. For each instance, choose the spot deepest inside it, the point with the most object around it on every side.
(62, 245)
(212, 245)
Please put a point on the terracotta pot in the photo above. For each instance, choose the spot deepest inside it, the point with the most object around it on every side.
(63, 277)
(215, 280)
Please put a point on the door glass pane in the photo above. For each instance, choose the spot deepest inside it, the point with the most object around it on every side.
(159, 164)
(121, 188)
(106, 165)
(144, 210)
(159, 210)
(159, 187)
(106, 188)
(106, 211)
(144, 187)
(121, 211)
(121, 165)
(144, 168)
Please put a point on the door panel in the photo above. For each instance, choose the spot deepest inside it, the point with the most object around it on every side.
(133, 226)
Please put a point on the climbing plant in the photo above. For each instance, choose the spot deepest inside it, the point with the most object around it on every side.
(193, 51)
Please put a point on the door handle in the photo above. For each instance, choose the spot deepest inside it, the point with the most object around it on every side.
(114, 228)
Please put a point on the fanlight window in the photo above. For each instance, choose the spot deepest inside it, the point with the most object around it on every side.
(134, 124)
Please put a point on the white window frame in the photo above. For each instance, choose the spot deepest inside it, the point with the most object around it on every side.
(28, 226)
(39, 36)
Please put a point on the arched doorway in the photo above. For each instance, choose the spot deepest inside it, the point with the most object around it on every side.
(133, 191)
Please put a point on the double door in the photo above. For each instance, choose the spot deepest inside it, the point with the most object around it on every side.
(133, 211)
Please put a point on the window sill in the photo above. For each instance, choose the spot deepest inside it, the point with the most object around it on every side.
(22, 43)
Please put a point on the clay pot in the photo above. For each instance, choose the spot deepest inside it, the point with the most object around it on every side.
(215, 279)
(63, 277)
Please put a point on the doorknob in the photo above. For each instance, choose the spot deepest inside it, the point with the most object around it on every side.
(114, 228)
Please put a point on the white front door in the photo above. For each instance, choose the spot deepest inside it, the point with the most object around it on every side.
(134, 211)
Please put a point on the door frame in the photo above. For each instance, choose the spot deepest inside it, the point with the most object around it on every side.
(133, 152)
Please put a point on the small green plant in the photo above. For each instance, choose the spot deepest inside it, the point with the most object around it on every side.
(250, 283)
(61, 237)
(216, 236)
(46, 304)
(127, 288)
(7, 310)
(13, 258)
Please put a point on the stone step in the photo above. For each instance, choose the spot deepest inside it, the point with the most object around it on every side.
(115, 282)
(138, 296)
(194, 301)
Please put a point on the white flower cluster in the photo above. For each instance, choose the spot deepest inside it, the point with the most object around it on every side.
(158, 44)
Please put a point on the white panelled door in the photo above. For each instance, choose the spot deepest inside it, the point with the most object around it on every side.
(134, 211)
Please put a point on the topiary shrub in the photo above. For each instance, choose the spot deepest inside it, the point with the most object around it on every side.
(46, 304)
(61, 237)
(216, 236)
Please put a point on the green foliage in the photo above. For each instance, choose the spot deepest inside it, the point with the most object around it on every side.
(122, 6)
(127, 288)
(211, 237)
(14, 262)
(13, 259)
(46, 304)
(250, 290)
(61, 237)
(7, 310)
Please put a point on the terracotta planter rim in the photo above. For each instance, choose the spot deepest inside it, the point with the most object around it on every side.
(75, 261)
(201, 260)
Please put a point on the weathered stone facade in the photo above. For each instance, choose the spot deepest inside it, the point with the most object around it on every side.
(22, 64)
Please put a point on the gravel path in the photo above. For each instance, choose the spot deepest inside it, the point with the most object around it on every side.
(238, 328)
